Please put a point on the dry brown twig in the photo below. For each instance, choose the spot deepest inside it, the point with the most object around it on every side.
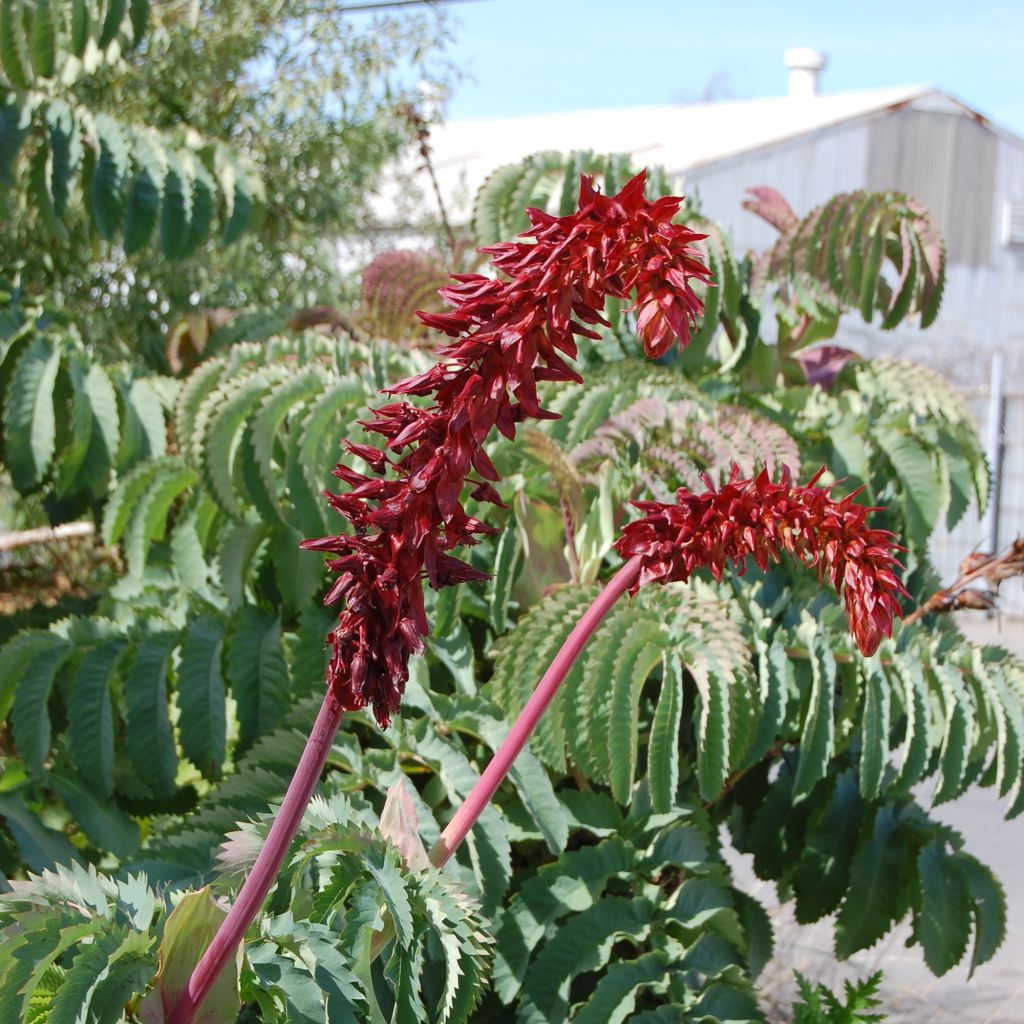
(977, 567)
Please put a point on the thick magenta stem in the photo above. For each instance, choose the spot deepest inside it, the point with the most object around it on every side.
(480, 796)
(268, 863)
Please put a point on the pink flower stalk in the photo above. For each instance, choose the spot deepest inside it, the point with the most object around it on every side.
(512, 333)
(764, 519)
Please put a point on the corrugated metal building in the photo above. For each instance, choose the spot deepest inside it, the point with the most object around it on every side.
(968, 172)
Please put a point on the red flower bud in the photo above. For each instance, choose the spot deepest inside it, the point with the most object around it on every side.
(765, 519)
(510, 333)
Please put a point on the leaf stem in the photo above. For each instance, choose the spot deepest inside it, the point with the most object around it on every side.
(268, 863)
(494, 774)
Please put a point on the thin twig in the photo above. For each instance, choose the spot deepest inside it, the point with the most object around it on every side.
(994, 568)
(422, 130)
(45, 535)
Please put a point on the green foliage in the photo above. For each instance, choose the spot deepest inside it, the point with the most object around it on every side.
(820, 1006)
(171, 714)
(831, 261)
(66, 154)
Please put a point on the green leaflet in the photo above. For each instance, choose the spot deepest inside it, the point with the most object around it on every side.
(879, 875)
(17, 653)
(90, 717)
(40, 847)
(907, 679)
(167, 480)
(943, 924)
(571, 884)
(988, 907)
(148, 736)
(112, 18)
(44, 38)
(663, 749)
(821, 877)
(14, 53)
(614, 996)
(202, 722)
(874, 751)
(266, 426)
(112, 163)
(30, 718)
(915, 467)
(257, 672)
(818, 733)
(582, 944)
(108, 827)
(30, 429)
(640, 652)
(145, 193)
(712, 727)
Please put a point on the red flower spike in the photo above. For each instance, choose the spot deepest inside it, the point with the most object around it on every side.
(765, 519)
(509, 334)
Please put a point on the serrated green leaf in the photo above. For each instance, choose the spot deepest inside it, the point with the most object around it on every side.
(258, 673)
(79, 26)
(14, 54)
(879, 880)
(614, 996)
(44, 38)
(112, 18)
(907, 679)
(165, 485)
(915, 468)
(202, 723)
(663, 748)
(39, 847)
(112, 165)
(30, 717)
(139, 13)
(106, 825)
(148, 735)
(176, 212)
(569, 885)
(988, 905)
(146, 190)
(90, 717)
(639, 653)
(582, 944)
(817, 737)
(30, 428)
(820, 878)
(874, 753)
(12, 134)
(943, 923)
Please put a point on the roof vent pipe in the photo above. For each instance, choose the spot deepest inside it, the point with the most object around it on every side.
(805, 67)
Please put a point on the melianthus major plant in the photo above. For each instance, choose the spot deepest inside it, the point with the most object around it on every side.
(691, 706)
(513, 332)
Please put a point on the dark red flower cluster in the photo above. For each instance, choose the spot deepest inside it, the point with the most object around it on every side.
(513, 332)
(765, 519)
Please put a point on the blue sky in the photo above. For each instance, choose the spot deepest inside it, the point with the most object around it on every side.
(532, 56)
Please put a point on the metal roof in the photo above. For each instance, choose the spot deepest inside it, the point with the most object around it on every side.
(679, 138)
